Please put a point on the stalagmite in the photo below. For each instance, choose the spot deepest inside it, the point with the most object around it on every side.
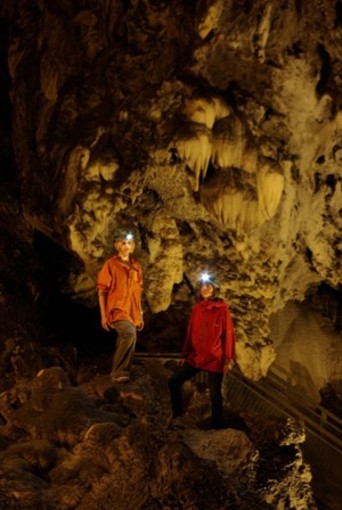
(166, 255)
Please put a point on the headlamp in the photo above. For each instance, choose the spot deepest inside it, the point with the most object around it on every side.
(129, 236)
(205, 277)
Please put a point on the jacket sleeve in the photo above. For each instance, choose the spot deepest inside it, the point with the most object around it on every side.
(229, 336)
(188, 342)
(104, 278)
(140, 276)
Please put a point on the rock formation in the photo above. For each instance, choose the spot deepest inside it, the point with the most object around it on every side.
(99, 446)
(212, 129)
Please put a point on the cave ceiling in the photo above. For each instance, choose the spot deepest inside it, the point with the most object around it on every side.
(213, 128)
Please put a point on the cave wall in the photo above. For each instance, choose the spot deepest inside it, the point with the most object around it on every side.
(213, 128)
(308, 348)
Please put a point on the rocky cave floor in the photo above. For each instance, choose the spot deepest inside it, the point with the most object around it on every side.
(76, 441)
(72, 440)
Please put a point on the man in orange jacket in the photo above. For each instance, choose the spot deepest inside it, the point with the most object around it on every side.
(209, 346)
(119, 286)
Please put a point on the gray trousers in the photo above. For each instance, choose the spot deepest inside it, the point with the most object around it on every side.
(125, 345)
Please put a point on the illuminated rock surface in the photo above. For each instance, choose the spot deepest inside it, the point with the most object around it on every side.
(99, 446)
(213, 129)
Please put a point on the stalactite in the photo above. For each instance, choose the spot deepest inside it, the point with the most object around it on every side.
(234, 205)
(194, 144)
(210, 20)
(259, 41)
(205, 110)
(228, 143)
(234, 210)
(201, 110)
(270, 185)
(222, 109)
(250, 158)
(196, 152)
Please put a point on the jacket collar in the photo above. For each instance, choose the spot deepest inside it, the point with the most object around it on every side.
(131, 263)
(212, 303)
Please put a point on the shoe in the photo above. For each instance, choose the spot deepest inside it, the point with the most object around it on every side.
(177, 423)
(119, 378)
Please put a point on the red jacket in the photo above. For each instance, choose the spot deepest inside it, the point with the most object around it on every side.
(210, 339)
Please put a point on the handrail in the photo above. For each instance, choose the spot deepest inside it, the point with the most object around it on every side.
(159, 355)
(299, 411)
(323, 411)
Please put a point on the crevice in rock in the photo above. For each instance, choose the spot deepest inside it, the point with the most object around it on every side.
(324, 83)
(64, 319)
(328, 301)
(338, 21)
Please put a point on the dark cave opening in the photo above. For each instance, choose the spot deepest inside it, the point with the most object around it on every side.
(338, 22)
(6, 149)
(64, 319)
(328, 301)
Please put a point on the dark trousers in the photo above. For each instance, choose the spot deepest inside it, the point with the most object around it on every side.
(124, 349)
(186, 372)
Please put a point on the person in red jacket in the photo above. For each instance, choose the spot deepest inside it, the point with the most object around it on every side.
(209, 346)
(119, 286)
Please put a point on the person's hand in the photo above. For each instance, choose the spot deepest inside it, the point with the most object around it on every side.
(141, 326)
(228, 365)
(105, 324)
(181, 361)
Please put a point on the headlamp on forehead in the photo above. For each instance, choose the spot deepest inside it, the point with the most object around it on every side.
(122, 234)
(205, 278)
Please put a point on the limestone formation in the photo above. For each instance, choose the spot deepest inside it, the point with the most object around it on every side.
(212, 129)
(105, 446)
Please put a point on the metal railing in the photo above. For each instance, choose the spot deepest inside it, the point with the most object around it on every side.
(274, 395)
(323, 444)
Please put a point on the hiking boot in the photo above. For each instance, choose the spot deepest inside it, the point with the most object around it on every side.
(180, 423)
(176, 423)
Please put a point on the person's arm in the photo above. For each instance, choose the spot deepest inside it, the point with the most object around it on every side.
(104, 280)
(228, 342)
(102, 303)
(140, 282)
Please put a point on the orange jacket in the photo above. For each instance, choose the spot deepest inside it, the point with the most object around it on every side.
(122, 284)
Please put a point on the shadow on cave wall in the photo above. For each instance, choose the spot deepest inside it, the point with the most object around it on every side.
(328, 302)
(64, 319)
